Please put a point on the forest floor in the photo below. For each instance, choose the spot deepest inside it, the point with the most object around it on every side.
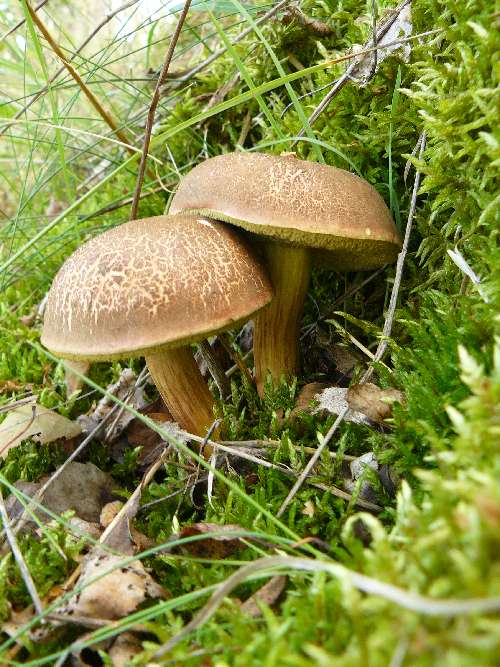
(136, 550)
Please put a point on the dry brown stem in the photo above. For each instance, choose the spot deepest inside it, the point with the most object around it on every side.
(108, 119)
(152, 109)
(90, 37)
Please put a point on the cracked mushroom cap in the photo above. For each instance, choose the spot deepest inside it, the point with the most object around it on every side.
(339, 215)
(151, 284)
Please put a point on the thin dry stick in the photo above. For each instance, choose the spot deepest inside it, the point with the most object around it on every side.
(389, 320)
(88, 39)
(152, 109)
(215, 369)
(90, 96)
(21, 22)
(123, 202)
(406, 599)
(236, 357)
(240, 453)
(231, 371)
(374, 34)
(382, 346)
(130, 508)
(268, 15)
(141, 379)
(348, 74)
(274, 444)
(399, 655)
(23, 568)
(17, 404)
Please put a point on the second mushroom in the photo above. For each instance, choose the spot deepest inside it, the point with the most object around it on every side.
(301, 213)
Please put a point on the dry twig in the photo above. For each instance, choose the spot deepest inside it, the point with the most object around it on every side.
(152, 109)
(315, 26)
(89, 38)
(109, 120)
(242, 454)
(215, 369)
(198, 68)
(389, 320)
(238, 360)
(337, 85)
(20, 23)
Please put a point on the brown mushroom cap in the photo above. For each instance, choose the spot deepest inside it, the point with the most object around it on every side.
(151, 284)
(303, 203)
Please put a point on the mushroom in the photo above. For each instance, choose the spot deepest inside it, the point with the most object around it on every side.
(153, 287)
(308, 213)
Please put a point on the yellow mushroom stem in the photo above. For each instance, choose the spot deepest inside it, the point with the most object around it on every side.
(182, 387)
(277, 327)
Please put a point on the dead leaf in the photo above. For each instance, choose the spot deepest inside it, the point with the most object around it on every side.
(268, 595)
(124, 648)
(359, 465)
(119, 592)
(109, 511)
(308, 509)
(36, 313)
(216, 547)
(54, 208)
(307, 395)
(141, 542)
(334, 400)
(16, 626)
(36, 422)
(372, 401)
(138, 434)
(345, 361)
(89, 528)
(81, 487)
(115, 595)
(357, 468)
(9, 386)
(12, 505)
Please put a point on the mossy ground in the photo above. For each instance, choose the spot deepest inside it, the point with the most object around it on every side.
(440, 536)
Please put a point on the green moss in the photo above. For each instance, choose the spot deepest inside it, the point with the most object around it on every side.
(439, 537)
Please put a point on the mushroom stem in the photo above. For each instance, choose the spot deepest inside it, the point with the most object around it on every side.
(277, 327)
(182, 387)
